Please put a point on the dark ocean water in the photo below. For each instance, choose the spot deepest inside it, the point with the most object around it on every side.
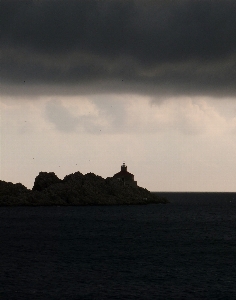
(182, 250)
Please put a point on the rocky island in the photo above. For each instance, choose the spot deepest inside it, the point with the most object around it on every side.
(76, 189)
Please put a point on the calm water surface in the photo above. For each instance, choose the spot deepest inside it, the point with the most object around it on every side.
(183, 250)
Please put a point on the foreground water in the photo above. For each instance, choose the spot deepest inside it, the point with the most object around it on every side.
(182, 250)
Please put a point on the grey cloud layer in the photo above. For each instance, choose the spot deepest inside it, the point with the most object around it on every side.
(64, 121)
(149, 46)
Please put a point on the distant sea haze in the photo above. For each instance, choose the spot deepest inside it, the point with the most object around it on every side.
(181, 250)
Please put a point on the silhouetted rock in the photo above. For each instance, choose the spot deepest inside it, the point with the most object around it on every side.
(44, 180)
(11, 194)
(74, 177)
(76, 189)
(9, 188)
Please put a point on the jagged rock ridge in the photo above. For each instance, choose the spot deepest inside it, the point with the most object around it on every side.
(75, 189)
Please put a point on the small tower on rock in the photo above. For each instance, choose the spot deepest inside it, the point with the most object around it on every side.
(126, 177)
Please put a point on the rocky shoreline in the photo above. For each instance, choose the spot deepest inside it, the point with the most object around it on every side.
(75, 189)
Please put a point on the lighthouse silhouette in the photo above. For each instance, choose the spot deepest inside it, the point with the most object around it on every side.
(126, 177)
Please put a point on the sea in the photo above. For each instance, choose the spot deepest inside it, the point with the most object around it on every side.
(185, 249)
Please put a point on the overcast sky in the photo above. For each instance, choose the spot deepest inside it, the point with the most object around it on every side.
(88, 85)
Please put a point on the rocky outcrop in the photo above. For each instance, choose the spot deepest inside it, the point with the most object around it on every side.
(75, 189)
(12, 194)
(44, 180)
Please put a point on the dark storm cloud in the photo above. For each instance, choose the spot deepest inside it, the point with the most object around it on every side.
(127, 46)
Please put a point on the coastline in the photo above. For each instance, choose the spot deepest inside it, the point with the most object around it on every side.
(75, 189)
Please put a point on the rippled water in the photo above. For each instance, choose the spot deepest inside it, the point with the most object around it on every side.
(183, 250)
